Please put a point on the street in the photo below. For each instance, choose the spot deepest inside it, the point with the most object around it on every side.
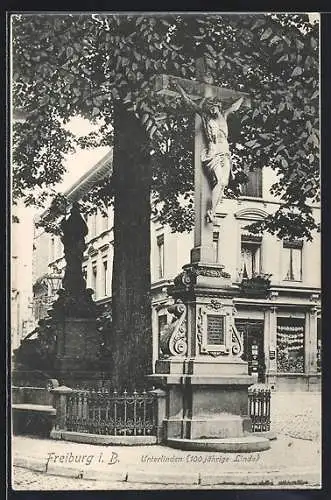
(30, 480)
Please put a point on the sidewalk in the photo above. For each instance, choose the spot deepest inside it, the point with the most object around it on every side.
(294, 459)
(288, 462)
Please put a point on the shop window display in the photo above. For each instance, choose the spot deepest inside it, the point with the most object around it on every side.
(290, 345)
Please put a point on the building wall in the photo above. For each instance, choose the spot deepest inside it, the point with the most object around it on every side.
(20, 277)
(41, 253)
(295, 298)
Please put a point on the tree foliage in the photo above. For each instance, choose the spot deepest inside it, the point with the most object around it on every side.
(81, 64)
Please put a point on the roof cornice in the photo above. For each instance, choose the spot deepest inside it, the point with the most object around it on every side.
(97, 172)
(82, 186)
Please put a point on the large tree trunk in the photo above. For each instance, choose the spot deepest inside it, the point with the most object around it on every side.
(131, 342)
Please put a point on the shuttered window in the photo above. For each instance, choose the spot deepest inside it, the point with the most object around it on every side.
(253, 187)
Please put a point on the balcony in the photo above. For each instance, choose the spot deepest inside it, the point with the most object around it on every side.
(257, 286)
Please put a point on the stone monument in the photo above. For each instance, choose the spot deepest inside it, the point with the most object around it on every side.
(205, 380)
(74, 311)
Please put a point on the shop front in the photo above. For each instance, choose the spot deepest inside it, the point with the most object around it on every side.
(281, 340)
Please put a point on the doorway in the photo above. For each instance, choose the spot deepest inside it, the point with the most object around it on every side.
(253, 339)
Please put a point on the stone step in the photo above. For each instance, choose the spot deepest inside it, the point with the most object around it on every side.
(32, 408)
(244, 444)
(218, 426)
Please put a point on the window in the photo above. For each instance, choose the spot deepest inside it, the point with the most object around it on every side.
(58, 248)
(250, 258)
(216, 245)
(94, 279)
(290, 345)
(160, 256)
(104, 277)
(292, 260)
(253, 187)
(52, 249)
(104, 222)
(162, 321)
(84, 272)
(93, 220)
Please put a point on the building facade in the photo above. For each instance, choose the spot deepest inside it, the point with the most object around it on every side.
(281, 330)
(21, 319)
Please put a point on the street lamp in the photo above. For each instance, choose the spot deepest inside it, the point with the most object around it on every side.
(54, 282)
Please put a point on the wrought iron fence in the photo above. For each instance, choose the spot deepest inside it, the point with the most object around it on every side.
(259, 398)
(110, 413)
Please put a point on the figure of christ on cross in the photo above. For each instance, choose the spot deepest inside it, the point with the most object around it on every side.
(215, 153)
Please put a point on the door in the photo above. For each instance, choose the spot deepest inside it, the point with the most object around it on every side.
(253, 338)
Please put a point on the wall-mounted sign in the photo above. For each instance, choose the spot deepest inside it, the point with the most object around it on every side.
(215, 329)
(272, 354)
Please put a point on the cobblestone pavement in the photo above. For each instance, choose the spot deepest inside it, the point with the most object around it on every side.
(296, 414)
(26, 480)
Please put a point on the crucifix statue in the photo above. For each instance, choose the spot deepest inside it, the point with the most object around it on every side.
(215, 153)
(212, 158)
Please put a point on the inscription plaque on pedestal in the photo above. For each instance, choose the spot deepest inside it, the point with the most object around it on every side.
(215, 329)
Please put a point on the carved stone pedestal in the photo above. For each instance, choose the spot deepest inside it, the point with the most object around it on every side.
(200, 368)
(77, 345)
(205, 406)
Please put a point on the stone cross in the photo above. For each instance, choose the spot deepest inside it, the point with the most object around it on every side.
(200, 89)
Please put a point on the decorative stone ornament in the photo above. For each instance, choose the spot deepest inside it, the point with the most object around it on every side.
(216, 332)
(173, 340)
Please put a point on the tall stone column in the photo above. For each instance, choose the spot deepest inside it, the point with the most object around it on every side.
(89, 273)
(99, 287)
(201, 369)
(203, 232)
(311, 342)
(155, 335)
(270, 343)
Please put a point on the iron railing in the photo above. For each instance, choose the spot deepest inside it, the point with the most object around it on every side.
(110, 413)
(259, 397)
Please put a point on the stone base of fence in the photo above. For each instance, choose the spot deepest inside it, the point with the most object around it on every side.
(271, 435)
(87, 438)
(101, 417)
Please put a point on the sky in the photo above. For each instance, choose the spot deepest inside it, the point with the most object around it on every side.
(76, 165)
(81, 161)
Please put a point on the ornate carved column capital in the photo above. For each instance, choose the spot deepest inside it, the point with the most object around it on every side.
(273, 295)
(173, 341)
(314, 310)
(315, 297)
